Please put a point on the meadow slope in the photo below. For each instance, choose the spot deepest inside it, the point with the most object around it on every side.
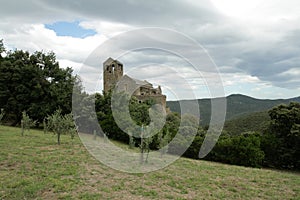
(35, 167)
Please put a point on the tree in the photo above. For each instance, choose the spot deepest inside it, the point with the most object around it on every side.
(2, 48)
(172, 123)
(84, 110)
(164, 139)
(61, 124)
(106, 119)
(244, 149)
(26, 123)
(281, 142)
(145, 140)
(35, 83)
(138, 113)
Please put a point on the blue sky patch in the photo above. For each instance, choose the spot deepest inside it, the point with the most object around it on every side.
(72, 29)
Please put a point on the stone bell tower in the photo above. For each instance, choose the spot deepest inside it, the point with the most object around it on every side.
(112, 73)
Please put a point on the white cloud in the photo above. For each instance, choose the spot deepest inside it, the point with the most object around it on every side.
(106, 28)
(293, 71)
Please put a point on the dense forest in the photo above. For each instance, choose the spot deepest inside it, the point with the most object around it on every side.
(35, 84)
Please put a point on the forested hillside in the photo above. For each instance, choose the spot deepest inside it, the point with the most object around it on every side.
(237, 105)
(257, 122)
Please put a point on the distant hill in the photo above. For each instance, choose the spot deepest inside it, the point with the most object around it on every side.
(257, 121)
(237, 105)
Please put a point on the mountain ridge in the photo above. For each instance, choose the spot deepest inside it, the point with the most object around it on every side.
(237, 105)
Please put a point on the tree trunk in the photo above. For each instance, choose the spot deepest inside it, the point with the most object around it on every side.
(142, 152)
(58, 138)
(22, 127)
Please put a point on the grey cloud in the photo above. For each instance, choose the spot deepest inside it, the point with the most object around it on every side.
(270, 62)
(149, 13)
(234, 47)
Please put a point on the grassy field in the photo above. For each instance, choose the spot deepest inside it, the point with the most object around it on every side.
(35, 167)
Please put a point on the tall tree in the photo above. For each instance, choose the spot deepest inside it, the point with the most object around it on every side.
(281, 143)
(34, 83)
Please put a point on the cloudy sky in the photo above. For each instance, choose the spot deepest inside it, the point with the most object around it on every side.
(255, 44)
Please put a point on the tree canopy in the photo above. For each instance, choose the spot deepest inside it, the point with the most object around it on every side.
(33, 83)
(281, 143)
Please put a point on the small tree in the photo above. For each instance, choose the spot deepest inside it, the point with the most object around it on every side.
(60, 124)
(70, 125)
(45, 126)
(163, 144)
(145, 144)
(26, 123)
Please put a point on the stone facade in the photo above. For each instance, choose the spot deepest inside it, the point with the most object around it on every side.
(142, 90)
(112, 73)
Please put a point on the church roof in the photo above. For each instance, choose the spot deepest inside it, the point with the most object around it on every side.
(138, 82)
(109, 61)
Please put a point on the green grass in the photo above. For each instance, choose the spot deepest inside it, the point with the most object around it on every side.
(35, 167)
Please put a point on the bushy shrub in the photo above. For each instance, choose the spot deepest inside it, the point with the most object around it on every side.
(239, 150)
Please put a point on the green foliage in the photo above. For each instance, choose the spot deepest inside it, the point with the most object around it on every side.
(164, 139)
(26, 123)
(182, 141)
(184, 136)
(106, 119)
(139, 113)
(173, 123)
(238, 150)
(257, 122)
(61, 124)
(242, 146)
(35, 83)
(281, 142)
(84, 108)
(69, 125)
(194, 148)
(2, 48)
